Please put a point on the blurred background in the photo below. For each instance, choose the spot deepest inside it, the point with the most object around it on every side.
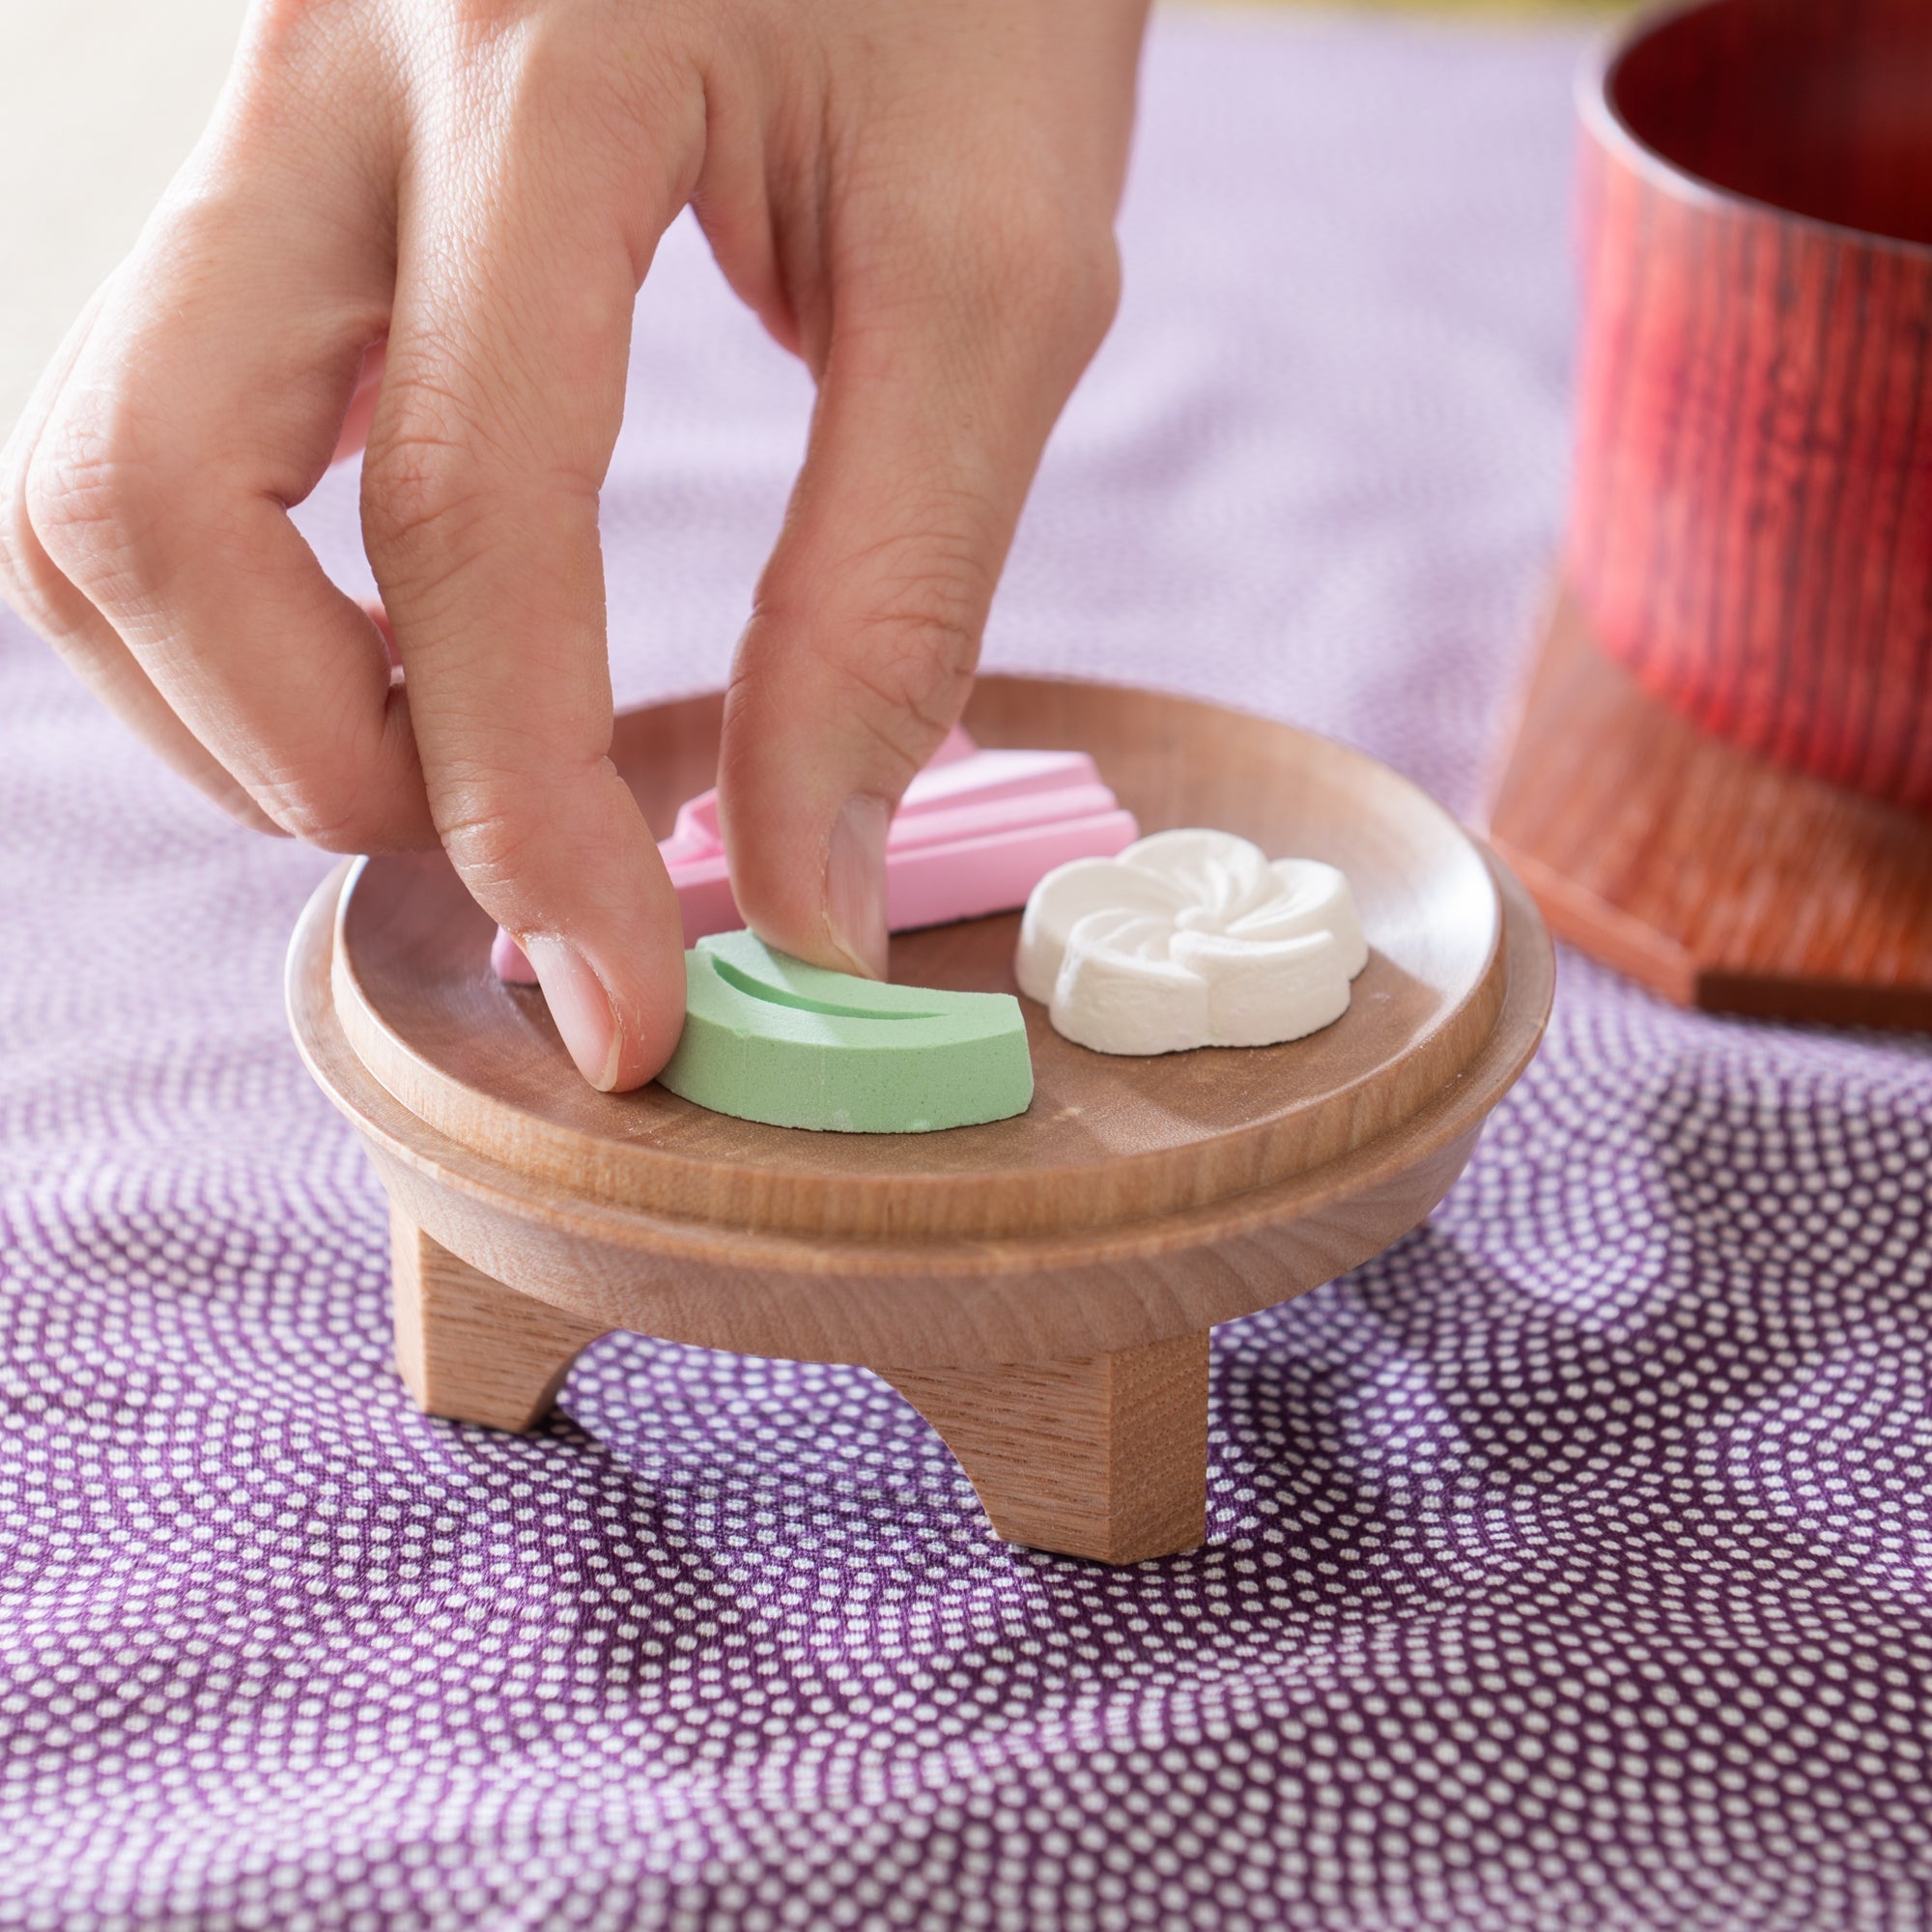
(99, 100)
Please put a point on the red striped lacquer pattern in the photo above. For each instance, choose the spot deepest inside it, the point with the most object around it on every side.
(1752, 527)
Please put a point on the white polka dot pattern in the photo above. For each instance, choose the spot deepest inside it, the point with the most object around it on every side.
(1570, 1565)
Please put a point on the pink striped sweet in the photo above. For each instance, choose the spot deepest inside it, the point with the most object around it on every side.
(975, 832)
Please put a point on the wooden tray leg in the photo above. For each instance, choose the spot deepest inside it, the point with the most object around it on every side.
(468, 1347)
(1103, 1457)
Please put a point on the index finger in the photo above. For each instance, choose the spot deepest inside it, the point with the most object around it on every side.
(499, 410)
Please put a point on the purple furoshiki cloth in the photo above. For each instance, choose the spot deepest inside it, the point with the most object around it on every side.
(1570, 1565)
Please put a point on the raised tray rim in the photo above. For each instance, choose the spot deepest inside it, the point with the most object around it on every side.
(1458, 1110)
(990, 1207)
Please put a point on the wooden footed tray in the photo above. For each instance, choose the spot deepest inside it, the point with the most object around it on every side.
(1042, 1287)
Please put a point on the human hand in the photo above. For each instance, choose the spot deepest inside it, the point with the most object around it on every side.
(426, 221)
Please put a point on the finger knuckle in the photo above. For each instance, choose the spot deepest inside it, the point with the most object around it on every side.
(19, 564)
(426, 495)
(907, 714)
(906, 652)
(94, 493)
(487, 20)
(923, 619)
(1047, 267)
(490, 834)
(287, 28)
(337, 785)
(28, 582)
(326, 810)
(325, 801)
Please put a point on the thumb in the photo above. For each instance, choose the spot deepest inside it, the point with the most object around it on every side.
(864, 637)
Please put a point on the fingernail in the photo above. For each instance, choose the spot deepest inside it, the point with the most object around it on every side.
(581, 1007)
(855, 883)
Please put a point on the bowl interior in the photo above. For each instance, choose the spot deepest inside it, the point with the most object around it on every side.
(1106, 1139)
(1819, 107)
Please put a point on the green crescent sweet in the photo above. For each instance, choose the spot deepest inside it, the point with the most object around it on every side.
(767, 1037)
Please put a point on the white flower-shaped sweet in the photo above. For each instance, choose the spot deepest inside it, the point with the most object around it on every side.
(1190, 939)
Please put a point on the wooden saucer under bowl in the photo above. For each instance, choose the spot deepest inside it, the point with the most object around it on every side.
(1040, 1288)
(1715, 877)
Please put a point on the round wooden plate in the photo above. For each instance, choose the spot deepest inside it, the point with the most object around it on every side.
(1106, 1140)
(1041, 1289)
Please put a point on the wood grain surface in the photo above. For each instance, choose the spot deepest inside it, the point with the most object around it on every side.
(468, 1348)
(1751, 524)
(940, 1300)
(1720, 879)
(1063, 1356)
(1106, 1140)
(1104, 1457)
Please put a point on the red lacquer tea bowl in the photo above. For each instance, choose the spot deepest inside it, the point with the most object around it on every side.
(1752, 527)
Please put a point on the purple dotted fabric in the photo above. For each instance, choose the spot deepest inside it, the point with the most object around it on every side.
(1570, 1566)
